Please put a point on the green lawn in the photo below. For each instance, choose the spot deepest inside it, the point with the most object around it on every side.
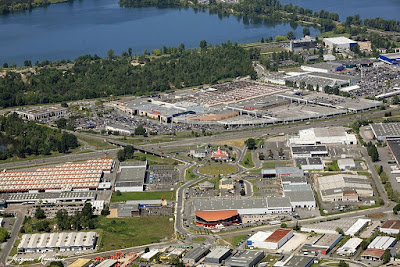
(189, 175)
(154, 160)
(168, 195)
(128, 232)
(198, 239)
(248, 160)
(215, 169)
(233, 240)
(99, 144)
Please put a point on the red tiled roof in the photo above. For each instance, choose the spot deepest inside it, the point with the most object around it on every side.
(278, 235)
(391, 224)
(373, 252)
(219, 153)
(216, 215)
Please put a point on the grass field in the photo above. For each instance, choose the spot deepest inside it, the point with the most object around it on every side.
(189, 175)
(233, 240)
(232, 142)
(99, 144)
(154, 160)
(215, 169)
(128, 232)
(248, 160)
(198, 239)
(168, 195)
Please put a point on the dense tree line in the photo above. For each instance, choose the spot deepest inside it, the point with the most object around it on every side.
(81, 220)
(92, 77)
(29, 138)
(11, 6)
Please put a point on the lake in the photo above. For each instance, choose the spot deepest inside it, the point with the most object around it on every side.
(387, 9)
(68, 30)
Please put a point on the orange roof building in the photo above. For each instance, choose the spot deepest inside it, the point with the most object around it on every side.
(219, 155)
(390, 227)
(268, 240)
(212, 218)
(373, 254)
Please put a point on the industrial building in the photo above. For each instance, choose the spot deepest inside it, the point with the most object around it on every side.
(350, 247)
(323, 67)
(346, 164)
(149, 255)
(373, 254)
(344, 187)
(301, 195)
(383, 131)
(382, 242)
(309, 164)
(39, 243)
(135, 208)
(66, 177)
(390, 58)
(207, 185)
(350, 226)
(131, 177)
(267, 240)
(305, 43)
(49, 197)
(225, 211)
(195, 255)
(327, 135)
(295, 261)
(394, 147)
(309, 151)
(390, 227)
(280, 172)
(326, 242)
(43, 112)
(245, 258)
(340, 43)
(217, 255)
(123, 130)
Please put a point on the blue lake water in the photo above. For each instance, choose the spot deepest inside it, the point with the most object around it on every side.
(68, 30)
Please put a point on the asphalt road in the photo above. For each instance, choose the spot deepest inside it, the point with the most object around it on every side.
(13, 236)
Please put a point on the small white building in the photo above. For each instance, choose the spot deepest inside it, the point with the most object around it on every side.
(346, 164)
(327, 135)
(350, 247)
(341, 43)
(148, 255)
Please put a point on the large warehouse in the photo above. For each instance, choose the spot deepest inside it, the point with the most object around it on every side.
(391, 58)
(327, 135)
(383, 131)
(131, 177)
(225, 211)
(66, 177)
(39, 243)
(341, 43)
(344, 187)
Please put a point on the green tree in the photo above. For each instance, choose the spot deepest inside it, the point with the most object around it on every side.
(396, 209)
(203, 44)
(342, 263)
(283, 225)
(290, 35)
(5, 65)
(339, 231)
(110, 54)
(306, 31)
(140, 130)
(4, 235)
(386, 257)
(242, 192)
(251, 143)
(40, 214)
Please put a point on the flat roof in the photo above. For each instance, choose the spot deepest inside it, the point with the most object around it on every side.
(218, 252)
(245, 257)
(391, 55)
(60, 196)
(386, 130)
(373, 252)
(300, 196)
(196, 253)
(278, 235)
(308, 149)
(339, 40)
(327, 240)
(391, 224)
(394, 145)
(216, 215)
(299, 261)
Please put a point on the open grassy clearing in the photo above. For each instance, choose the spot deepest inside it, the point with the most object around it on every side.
(215, 169)
(232, 142)
(154, 160)
(233, 240)
(168, 195)
(247, 160)
(189, 175)
(99, 144)
(128, 232)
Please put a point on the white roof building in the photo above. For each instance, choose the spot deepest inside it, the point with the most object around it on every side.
(341, 42)
(382, 242)
(148, 255)
(345, 164)
(357, 227)
(327, 135)
(350, 247)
